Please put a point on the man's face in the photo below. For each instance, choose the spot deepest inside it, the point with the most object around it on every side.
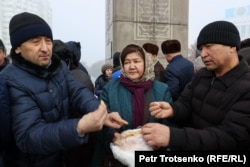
(217, 57)
(2, 56)
(36, 50)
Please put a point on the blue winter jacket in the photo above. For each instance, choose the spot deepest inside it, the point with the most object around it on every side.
(178, 73)
(5, 131)
(40, 101)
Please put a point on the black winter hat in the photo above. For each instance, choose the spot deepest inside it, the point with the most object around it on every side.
(219, 32)
(25, 26)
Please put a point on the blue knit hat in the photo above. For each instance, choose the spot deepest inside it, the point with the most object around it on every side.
(25, 26)
(219, 32)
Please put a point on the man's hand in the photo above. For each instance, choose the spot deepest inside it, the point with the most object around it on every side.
(160, 109)
(93, 121)
(156, 135)
(115, 121)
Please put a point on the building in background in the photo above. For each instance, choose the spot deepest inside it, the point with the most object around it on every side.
(141, 21)
(240, 16)
(9, 8)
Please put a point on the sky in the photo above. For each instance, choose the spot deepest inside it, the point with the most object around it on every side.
(84, 21)
(202, 12)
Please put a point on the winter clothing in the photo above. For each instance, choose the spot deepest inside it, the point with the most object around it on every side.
(6, 62)
(159, 72)
(75, 48)
(116, 60)
(102, 79)
(83, 78)
(116, 65)
(106, 66)
(215, 112)
(118, 98)
(25, 26)
(130, 98)
(170, 46)
(5, 120)
(100, 82)
(158, 67)
(245, 52)
(68, 54)
(245, 49)
(137, 90)
(116, 74)
(178, 73)
(219, 32)
(40, 112)
(2, 45)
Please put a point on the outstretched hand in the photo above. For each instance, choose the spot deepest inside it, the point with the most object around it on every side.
(115, 121)
(93, 121)
(160, 109)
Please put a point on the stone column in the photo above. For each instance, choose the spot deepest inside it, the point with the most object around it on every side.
(140, 21)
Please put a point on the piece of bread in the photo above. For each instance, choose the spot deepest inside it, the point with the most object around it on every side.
(130, 132)
(127, 134)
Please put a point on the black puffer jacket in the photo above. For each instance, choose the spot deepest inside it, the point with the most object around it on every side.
(217, 110)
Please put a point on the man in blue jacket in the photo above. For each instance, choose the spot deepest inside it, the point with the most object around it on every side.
(179, 71)
(41, 91)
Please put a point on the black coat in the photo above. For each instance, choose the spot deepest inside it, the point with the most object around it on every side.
(215, 112)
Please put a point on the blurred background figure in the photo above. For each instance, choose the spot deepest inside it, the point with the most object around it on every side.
(116, 65)
(245, 49)
(75, 48)
(70, 56)
(4, 61)
(103, 79)
(198, 64)
(179, 71)
(152, 51)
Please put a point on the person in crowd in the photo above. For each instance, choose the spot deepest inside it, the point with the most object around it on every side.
(179, 71)
(75, 48)
(130, 95)
(214, 107)
(245, 49)
(4, 61)
(152, 51)
(66, 54)
(103, 79)
(80, 155)
(41, 90)
(116, 65)
(5, 135)
(198, 64)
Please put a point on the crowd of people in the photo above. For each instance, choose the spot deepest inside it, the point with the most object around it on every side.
(53, 115)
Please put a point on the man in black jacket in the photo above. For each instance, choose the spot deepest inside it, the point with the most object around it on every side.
(214, 107)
